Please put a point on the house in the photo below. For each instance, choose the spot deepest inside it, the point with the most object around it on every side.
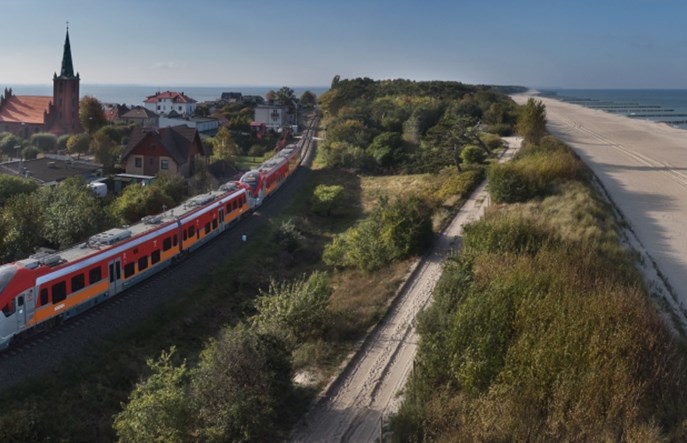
(52, 169)
(114, 112)
(204, 125)
(273, 116)
(24, 115)
(232, 97)
(163, 103)
(141, 116)
(173, 150)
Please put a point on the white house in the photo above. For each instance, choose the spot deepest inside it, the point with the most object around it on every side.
(273, 116)
(162, 103)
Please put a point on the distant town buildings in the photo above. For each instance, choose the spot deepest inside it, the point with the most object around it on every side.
(24, 115)
(163, 103)
(273, 116)
(141, 116)
(52, 169)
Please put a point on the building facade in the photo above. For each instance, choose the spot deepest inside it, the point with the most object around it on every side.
(163, 103)
(24, 115)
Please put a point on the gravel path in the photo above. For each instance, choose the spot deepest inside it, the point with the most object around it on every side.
(43, 354)
(354, 406)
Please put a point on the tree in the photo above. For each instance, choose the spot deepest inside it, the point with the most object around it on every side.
(91, 114)
(271, 96)
(8, 143)
(294, 310)
(327, 199)
(224, 147)
(72, 213)
(11, 186)
(285, 95)
(308, 99)
(44, 141)
(531, 123)
(21, 221)
(105, 150)
(79, 144)
(138, 201)
(158, 409)
(241, 381)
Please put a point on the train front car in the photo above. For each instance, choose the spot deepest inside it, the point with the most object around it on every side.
(255, 180)
(16, 299)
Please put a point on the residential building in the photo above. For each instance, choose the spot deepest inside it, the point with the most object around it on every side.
(273, 116)
(204, 125)
(171, 150)
(52, 169)
(141, 116)
(24, 115)
(162, 103)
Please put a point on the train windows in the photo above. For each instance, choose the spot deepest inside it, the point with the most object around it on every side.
(95, 275)
(229, 207)
(235, 205)
(143, 263)
(44, 296)
(78, 282)
(166, 244)
(214, 223)
(129, 269)
(191, 231)
(9, 308)
(155, 257)
(175, 240)
(185, 235)
(207, 228)
(59, 292)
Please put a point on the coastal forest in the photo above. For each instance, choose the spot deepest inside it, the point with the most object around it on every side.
(541, 328)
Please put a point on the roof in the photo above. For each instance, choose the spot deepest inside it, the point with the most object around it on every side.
(113, 111)
(24, 109)
(48, 170)
(67, 70)
(176, 97)
(139, 112)
(177, 141)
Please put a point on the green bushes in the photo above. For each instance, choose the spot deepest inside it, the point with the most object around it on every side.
(327, 199)
(392, 231)
(540, 331)
(532, 173)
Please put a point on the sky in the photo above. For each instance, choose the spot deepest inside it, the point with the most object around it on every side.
(535, 43)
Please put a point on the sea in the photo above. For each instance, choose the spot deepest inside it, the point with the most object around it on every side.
(134, 95)
(661, 105)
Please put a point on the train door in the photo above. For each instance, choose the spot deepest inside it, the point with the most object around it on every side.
(221, 219)
(115, 276)
(21, 311)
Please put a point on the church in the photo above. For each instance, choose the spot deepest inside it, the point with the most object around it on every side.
(24, 115)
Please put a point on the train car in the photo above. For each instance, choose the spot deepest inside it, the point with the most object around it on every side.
(52, 286)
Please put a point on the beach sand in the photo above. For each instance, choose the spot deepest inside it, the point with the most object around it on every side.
(643, 167)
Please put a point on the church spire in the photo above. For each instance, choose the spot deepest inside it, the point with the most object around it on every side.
(67, 66)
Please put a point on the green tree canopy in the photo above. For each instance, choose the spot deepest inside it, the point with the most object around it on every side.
(79, 144)
(91, 114)
(44, 141)
(11, 186)
(308, 99)
(158, 409)
(531, 123)
(105, 150)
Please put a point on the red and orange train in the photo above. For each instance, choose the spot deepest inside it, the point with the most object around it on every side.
(39, 291)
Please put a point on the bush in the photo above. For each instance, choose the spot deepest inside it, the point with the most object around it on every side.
(472, 155)
(327, 199)
(287, 237)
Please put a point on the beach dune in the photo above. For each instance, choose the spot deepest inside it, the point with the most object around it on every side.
(643, 167)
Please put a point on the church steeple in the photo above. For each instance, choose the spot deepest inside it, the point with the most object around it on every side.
(67, 66)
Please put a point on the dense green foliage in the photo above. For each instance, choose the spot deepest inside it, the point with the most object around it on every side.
(536, 169)
(531, 124)
(540, 329)
(327, 200)
(400, 125)
(91, 114)
(11, 186)
(393, 231)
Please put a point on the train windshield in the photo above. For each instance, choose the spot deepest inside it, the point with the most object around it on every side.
(251, 179)
(6, 274)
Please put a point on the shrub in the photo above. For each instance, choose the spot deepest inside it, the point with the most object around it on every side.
(327, 199)
(287, 237)
(472, 155)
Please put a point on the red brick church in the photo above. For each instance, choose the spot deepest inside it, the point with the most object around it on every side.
(24, 115)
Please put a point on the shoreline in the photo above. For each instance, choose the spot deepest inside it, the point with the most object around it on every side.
(642, 166)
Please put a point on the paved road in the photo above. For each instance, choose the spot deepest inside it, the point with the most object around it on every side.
(354, 406)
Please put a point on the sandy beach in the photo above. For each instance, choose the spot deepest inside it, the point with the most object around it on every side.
(643, 167)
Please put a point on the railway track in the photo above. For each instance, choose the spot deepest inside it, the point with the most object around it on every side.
(43, 353)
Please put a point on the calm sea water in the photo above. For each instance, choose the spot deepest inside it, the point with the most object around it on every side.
(662, 105)
(135, 94)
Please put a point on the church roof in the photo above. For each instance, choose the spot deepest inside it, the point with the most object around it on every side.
(67, 70)
(24, 109)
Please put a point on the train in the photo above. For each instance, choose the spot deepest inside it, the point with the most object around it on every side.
(38, 292)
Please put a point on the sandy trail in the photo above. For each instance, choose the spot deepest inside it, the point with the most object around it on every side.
(643, 167)
(368, 390)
